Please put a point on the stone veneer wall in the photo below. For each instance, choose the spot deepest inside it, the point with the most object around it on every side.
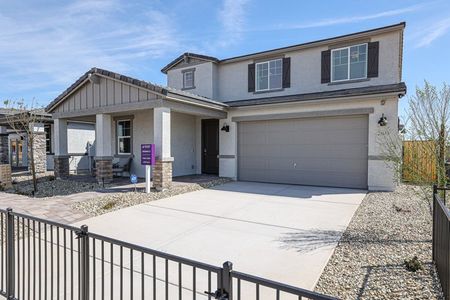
(162, 175)
(4, 149)
(104, 170)
(40, 155)
(5, 176)
(61, 166)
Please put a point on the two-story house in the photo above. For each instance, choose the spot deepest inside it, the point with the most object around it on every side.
(307, 114)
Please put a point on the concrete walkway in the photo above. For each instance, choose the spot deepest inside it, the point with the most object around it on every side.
(282, 232)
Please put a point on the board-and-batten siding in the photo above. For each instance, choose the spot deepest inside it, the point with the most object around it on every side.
(107, 93)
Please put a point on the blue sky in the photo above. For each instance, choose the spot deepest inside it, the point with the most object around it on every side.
(46, 45)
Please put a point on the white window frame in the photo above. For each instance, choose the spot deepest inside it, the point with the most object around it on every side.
(124, 136)
(268, 75)
(184, 79)
(348, 66)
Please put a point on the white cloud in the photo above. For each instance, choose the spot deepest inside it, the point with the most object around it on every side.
(433, 32)
(352, 19)
(232, 21)
(44, 46)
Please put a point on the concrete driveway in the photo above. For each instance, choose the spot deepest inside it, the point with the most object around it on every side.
(282, 232)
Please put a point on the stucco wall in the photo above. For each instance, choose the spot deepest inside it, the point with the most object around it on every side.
(305, 72)
(204, 79)
(183, 141)
(183, 144)
(380, 176)
(78, 135)
(228, 81)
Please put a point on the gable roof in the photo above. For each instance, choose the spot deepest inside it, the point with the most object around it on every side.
(164, 91)
(337, 39)
(186, 55)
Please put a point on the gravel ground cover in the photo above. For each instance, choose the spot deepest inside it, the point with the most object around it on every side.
(115, 201)
(49, 187)
(369, 262)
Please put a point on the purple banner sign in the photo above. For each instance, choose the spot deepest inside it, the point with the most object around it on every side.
(147, 154)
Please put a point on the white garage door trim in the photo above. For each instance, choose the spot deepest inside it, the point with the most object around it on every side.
(325, 160)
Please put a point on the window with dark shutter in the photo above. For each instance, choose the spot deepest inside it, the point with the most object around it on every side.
(251, 78)
(372, 61)
(286, 72)
(326, 70)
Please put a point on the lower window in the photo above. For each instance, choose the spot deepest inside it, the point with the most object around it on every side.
(124, 137)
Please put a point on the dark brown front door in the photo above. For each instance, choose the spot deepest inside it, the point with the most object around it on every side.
(210, 146)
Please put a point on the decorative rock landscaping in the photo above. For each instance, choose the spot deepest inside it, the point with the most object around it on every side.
(374, 257)
(48, 186)
(115, 201)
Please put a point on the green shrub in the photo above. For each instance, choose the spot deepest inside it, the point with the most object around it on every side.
(109, 205)
(413, 265)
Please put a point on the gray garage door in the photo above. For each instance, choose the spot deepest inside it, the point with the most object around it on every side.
(328, 151)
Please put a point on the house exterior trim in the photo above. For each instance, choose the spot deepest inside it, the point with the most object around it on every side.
(399, 89)
(301, 115)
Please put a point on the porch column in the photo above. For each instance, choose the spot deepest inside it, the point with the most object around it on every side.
(39, 149)
(4, 146)
(162, 174)
(103, 150)
(61, 158)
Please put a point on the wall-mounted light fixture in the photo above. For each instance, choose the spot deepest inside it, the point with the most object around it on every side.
(225, 127)
(382, 121)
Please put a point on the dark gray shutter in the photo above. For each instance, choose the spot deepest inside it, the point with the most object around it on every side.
(286, 72)
(326, 69)
(372, 59)
(251, 78)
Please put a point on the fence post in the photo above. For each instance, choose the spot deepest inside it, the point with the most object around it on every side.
(84, 262)
(226, 280)
(433, 244)
(10, 284)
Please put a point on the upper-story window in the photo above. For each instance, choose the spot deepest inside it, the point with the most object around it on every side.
(269, 75)
(349, 63)
(188, 79)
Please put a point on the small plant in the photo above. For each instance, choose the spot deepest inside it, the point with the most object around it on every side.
(109, 205)
(400, 209)
(413, 265)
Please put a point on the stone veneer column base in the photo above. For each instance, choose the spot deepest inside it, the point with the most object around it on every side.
(40, 154)
(4, 151)
(61, 167)
(5, 176)
(103, 167)
(162, 174)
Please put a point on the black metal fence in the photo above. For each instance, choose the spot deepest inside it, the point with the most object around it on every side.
(441, 238)
(41, 259)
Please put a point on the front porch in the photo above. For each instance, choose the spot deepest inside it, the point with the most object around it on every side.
(128, 113)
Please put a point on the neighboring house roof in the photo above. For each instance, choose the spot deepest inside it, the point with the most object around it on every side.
(337, 39)
(186, 55)
(165, 91)
(369, 90)
(6, 115)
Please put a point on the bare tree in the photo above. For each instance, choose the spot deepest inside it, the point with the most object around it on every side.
(428, 117)
(23, 120)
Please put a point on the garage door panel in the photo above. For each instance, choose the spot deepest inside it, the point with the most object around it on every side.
(313, 151)
(349, 179)
(328, 151)
(255, 138)
(348, 122)
(318, 164)
(353, 136)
